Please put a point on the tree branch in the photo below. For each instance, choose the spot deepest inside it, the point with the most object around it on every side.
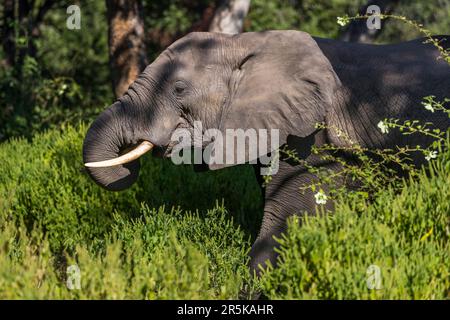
(357, 30)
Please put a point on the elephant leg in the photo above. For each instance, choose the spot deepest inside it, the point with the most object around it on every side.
(282, 200)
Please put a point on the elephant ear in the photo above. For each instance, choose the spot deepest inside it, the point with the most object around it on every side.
(283, 83)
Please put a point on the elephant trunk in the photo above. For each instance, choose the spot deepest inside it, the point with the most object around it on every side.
(128, 129)
(109, 137)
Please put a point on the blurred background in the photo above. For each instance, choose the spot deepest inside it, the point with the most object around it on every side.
(52, 74)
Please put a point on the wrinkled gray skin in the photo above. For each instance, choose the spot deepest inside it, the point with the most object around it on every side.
(283, 80)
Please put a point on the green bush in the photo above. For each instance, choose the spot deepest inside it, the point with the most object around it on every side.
(44, 182)
(48, 203)
(31, 103)
(181, 234)
(164, 255)
(405, 234)
(317, 17)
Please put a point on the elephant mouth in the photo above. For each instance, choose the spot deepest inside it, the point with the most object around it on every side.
(169, 148)
(131, 153)
(163, 151)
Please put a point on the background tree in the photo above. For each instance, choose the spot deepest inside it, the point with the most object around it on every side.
(169, 20)
(229, 16)
(50, 74)
(21, 27)
(8, 42)
(127, 51)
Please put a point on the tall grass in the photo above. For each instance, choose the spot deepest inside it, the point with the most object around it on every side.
(181, 234)
(405, 234)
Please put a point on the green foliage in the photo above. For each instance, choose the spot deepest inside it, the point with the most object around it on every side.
(266, 15)
(318, 17)
(400, 226)
(150, 243)
(164, 255)
(79, 59)
(424, 12)
(406, 234)
(81, 55)
(168, 20)
(174, 15)
(174, 18)
(54, 190)
(312, 16)
(67, 81)
(132, 244)
(31, 102)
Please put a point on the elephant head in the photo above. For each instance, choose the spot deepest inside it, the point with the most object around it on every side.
(269, 80)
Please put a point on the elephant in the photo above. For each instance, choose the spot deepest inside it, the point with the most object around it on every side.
(285, 80)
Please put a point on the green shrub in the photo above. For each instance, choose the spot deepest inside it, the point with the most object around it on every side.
(405, 234)
(137, 234)
(44, 182)
(170, 236)
(170, 255)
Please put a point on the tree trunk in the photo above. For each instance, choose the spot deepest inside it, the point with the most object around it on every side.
(127, 52)
(205, 21)
(18, 20)
(229, 16)
(8, 42)
(357, 30)
(25, 22)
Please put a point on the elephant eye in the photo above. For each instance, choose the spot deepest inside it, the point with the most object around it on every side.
(180, 88)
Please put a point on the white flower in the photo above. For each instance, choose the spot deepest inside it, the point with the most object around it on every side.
(429, 107)
(383, 127)
(342, 21)
(321, 198)
(431, 155)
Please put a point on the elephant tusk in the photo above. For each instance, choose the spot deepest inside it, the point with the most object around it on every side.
(142, 148)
